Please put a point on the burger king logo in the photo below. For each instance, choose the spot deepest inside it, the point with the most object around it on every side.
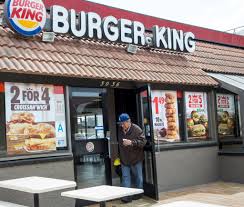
(26, 17)
(90, 147)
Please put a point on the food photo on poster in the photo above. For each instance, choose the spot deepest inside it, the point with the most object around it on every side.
(226, 114)
(165, 116)
(196, 114)
(35, 118)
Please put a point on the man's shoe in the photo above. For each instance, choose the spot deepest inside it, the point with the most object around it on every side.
(137, 197)
(126, 200)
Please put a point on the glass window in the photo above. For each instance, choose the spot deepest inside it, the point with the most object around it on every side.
(165, 116)
(227, 116)
(196, 111)
(239, 117)
(145, 113)
(35, 118)
(88, 113)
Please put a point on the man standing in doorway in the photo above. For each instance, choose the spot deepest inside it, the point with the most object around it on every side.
(131, 143)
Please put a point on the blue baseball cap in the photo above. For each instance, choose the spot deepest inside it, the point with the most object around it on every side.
(123, 117)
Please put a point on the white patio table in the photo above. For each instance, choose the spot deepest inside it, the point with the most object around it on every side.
(187, 204)
(102, 193)
(7, 204)
(37, 185)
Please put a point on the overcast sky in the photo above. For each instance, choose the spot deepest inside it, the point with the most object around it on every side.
(214, 14)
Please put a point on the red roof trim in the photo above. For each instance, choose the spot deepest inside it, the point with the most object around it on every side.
(200, 33)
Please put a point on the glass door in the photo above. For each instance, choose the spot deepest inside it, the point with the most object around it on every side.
(145, 121)
(89, 145)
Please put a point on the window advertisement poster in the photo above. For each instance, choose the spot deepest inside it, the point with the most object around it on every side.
(226, 113)
(165, 116)
(196, 114)
(35, 118)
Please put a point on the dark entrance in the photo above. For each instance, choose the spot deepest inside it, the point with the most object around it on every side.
(125, 102)
(90, 147)
(137, 104)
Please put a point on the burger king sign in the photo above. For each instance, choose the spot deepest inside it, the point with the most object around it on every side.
(26, 17)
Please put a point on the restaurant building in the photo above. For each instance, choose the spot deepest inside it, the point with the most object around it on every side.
(60, 101)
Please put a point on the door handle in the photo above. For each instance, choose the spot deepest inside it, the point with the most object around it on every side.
(114, 143)
(109, 148)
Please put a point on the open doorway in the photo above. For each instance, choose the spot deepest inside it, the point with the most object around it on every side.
(126, 102)
(136, 103)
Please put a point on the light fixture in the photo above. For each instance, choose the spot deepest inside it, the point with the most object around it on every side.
(48, 36)
(1, 19)
(132, 48)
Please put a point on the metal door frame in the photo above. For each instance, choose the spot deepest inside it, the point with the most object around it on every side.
(147, 188)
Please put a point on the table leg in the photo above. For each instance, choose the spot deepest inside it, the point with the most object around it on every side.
(103, 204)
(36, 200)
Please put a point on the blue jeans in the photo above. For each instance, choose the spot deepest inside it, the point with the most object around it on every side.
(136, 171)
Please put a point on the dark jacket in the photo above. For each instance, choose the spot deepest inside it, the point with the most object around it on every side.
(130, 155)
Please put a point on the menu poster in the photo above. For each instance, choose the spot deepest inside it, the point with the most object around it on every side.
(196, 114)
(226, 114)
(165, 115)
(35, 118)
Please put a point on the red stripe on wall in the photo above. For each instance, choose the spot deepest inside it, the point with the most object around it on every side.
(58, 90)
(1, 87)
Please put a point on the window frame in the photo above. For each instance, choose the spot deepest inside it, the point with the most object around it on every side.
(184, 144)
(104, 109)
(59, 152)
(209, 137)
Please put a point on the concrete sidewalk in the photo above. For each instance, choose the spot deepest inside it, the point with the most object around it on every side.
(219, 193)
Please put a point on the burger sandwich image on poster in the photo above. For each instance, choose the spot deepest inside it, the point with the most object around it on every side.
(34, 136)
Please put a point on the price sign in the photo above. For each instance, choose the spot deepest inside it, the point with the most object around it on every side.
(195, 100)
(223, 100)
(165, 115)
(157, 101)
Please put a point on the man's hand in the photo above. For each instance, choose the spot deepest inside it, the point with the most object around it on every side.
(127, 142)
